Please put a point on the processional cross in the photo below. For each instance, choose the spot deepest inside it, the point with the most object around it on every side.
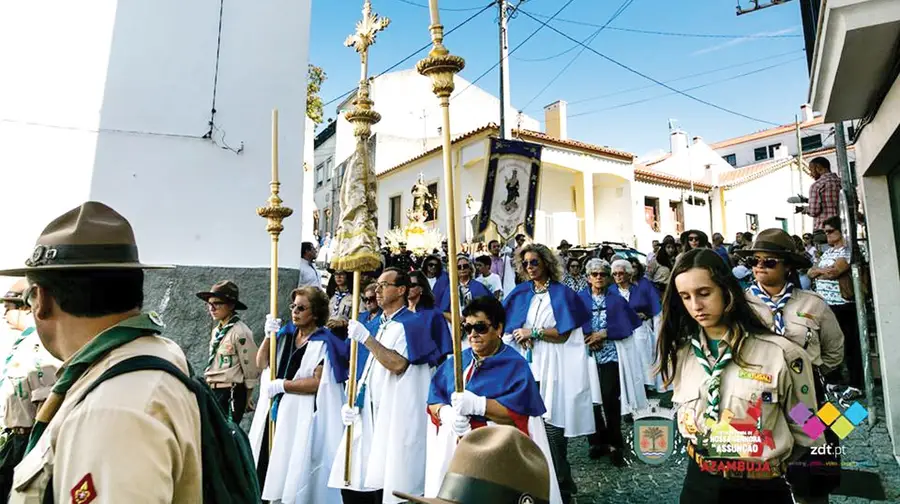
(364, 37)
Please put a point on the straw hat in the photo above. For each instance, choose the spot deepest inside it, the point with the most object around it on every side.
(497, 465)
(225, 290)
(776, 241)
(90, 237)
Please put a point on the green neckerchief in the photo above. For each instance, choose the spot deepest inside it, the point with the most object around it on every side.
(221, 331)
(714, 372)
(713, 346)
(12, 351)
(124, 332)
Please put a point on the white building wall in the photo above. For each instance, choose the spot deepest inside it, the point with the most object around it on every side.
(767, 198)
(695, 216)
(744, 151)
(612, 209)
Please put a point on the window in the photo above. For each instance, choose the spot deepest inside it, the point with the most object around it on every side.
(752, 222)
(783, 223)
(651, 213)
(731, 159)
(320, 171)
(811, 142)
(676, 209)
(851, 132)
(772, 150)
(431, 210)
(395, 212)
(760, 153)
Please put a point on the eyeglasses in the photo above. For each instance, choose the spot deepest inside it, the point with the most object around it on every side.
(478, 327)
(215, 305)
(432, 265)
(618, 273)
(384, 285)
(598, 274)
(463, 266)
(768, 262)
(693, 238)
(829, 231)
(534, 263)
(298, 308)
(370, 299)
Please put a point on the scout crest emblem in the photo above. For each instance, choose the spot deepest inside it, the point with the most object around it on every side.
(654, 433)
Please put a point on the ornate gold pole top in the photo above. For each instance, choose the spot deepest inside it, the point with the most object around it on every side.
(362, 116)
(440, 66)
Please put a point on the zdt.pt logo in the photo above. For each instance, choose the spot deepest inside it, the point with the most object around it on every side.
(829, 416)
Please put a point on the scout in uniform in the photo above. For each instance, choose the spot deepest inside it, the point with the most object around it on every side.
(734, 383)
(135, 437)
(231, 370)
(803, 317)
(28, 373)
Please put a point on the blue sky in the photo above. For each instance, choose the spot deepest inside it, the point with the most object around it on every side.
(766, 45)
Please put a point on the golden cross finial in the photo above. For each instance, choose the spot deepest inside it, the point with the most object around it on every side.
(366, 30)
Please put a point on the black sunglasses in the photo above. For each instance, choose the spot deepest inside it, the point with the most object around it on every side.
(534, 263)
(432, 265)
(478, 327)
(768, 263)
(299, 308)
(370, 299)
(598, 274)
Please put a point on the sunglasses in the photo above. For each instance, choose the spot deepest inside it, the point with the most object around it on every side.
(370, 299)
(768, 263)
(693, 238)
(215, 304)
(413, 285)
(534, 263)
(298, 308)
(598, 274)
(478, 327)
(829, 231)
(432, 265)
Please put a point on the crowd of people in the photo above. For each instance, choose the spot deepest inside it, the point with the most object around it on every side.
(557, 344)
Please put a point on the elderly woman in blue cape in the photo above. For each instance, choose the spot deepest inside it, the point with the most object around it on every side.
(311, 369)
(643, 298)
(469, 289)
(543, 322)
(499, 389)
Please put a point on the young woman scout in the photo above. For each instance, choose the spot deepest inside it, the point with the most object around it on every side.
(734, 383)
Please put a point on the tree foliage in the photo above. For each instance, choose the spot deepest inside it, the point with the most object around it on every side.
(314, 108)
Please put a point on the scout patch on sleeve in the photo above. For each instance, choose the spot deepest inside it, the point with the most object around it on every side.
(804, 389)
(83, 492)
(797, 365)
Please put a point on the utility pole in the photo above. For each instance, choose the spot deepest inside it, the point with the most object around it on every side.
(799, 171)
(505, 122)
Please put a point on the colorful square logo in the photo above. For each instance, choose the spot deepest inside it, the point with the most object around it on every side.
(828, 415)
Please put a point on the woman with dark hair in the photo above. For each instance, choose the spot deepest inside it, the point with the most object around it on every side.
(694, 238)
(311, 366)
(735, 383)
(574, 277)
(421, 302)
(437, 278)
(341, 302)
(663, 269)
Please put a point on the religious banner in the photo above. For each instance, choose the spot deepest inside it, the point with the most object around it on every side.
(511, 188)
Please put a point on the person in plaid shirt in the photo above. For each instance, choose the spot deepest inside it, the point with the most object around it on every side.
(824, 193)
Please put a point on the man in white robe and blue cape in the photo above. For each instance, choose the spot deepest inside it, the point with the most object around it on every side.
(499, 389)
(389, 427)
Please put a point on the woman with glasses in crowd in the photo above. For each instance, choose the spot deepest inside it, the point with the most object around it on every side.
(544, 320)
(693, 238)
(734, 383)
(574, 278)
(644, 300)
(469, 288)
(608, 335)
(311, 367)
(421, 302)
(437, 278)
(803, 317)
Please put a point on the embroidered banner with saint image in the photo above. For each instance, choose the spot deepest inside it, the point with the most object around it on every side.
(511, 188)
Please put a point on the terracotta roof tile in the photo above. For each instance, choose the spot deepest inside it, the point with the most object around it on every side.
(644, 174)
(752, 172)
(778, 130)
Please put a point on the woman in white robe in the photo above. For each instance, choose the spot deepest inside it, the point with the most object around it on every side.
(308, 394)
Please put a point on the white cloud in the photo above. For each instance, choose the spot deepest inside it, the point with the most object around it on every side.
(741, 40)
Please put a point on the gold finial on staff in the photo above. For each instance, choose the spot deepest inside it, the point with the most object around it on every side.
(356, 240)
(441, 66)
(274, 213)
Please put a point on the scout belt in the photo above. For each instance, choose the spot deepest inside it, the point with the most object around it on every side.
(735, 468)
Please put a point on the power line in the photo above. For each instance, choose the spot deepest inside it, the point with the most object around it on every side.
(666, 33)
(514, 49)
(698, 74)
(448, 9)
(658, 82)
(412, 54)
(622, 8)
(734, 77)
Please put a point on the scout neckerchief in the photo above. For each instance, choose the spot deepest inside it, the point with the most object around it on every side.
(714, 373)
(221, 331)
(124, 332)
(363, 382)
(777, 308)
(12, 351)
(338, 298)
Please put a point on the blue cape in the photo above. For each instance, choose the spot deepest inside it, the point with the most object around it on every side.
(568, 309)
(362, 353)
(440, 286)
(437, 327)
(621, 320)
(420, 349)
(645, 298)
(505, 377)
(475, 287)
(338, 351)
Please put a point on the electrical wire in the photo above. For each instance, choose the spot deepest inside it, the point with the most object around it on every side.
(448, 9)
(412, 54)
(665, 33)
(719, 81)
(584, 44)
(656, 81)
(698, 74)
(514, 49)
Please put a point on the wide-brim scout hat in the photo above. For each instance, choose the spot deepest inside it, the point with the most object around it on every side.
(16, 293)
(225, 290)
(481, 471)
(90, 237)
(776, 241)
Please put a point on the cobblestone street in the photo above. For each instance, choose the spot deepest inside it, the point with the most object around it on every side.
(599, 482)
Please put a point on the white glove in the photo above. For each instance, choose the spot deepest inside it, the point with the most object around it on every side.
(272, 325)
(461, 425)
(467, 403)
(447, 415)
(357, 332)
(275, 387)
(349, 415)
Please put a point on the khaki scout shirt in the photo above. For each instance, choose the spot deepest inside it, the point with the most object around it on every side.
(235, 360)
(30, 374)
(810, 323)
(135, 438)
(782, 379)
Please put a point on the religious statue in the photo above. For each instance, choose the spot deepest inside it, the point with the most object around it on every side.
(425, 204)
(512, 192)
